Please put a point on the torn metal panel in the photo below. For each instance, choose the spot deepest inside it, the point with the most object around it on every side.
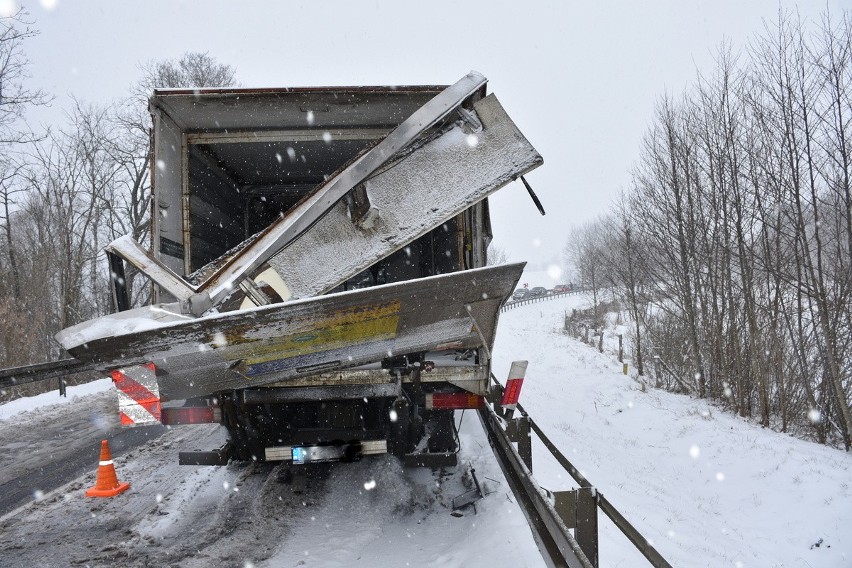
(309, 211)
(128, 249)
(254, 347)
(410, 197)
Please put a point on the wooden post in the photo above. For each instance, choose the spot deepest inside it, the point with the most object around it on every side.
(600, 342)
(621, 349)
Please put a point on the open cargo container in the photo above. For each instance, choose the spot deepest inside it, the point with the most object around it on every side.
(263, 319)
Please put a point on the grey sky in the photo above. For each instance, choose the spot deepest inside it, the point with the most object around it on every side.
(579, 78)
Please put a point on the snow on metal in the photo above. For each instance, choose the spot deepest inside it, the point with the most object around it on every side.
(259, 346)
(412, 196)
(309, 211)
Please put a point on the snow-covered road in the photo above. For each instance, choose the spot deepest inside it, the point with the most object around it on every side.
(707, 488)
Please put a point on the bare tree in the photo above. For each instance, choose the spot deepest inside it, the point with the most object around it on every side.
(15, 96)
(584, 252)
(192, 70)
(624, 261)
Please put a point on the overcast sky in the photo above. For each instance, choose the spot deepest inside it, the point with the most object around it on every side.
(580, 78)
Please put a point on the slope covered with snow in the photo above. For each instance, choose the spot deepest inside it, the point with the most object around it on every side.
(708, 488)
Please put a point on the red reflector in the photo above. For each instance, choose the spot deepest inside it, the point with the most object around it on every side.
(512, 392)
(455, 400)
(189, 415)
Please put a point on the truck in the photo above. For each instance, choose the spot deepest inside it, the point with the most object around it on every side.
(318, 263)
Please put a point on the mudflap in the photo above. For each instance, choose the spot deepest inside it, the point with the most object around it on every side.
(213, 457)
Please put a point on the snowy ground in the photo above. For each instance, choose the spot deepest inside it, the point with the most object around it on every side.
(708, 488)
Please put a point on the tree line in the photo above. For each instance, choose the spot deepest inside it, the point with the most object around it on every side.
(731, 250)
(70, 189)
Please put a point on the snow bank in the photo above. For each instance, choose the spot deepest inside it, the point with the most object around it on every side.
(26, 404)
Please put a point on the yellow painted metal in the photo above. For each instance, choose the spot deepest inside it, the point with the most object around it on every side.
(346, 327)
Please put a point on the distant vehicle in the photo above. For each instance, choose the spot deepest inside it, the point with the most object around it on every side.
(537, 291)
(520, 294)
(561, 288)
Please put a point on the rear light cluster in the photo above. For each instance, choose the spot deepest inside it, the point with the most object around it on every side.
(453, 401)
(190, 415)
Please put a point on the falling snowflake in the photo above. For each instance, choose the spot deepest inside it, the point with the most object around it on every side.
(219, 339)
(694, 451)
(393, 416)
(472, 140)
(370, 485)
(554, 271)
(310, 117)
(326, 137)
(814, 415)
(720, 476)
(38, 494)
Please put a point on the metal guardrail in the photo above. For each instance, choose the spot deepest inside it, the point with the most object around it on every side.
(515, 303)
(552, 514)
(16, 376)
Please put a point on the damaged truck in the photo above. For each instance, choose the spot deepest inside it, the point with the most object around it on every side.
(319, 271)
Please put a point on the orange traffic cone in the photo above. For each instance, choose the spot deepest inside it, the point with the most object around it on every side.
(107, 484)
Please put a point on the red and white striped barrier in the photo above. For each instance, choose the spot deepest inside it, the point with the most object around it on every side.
(138, 394)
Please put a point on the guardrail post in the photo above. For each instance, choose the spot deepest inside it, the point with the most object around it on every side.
(586, 532)
(578, 509)
(525, 441)
(518, 431)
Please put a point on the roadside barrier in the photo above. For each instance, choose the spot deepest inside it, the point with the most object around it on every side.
(515, 303)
